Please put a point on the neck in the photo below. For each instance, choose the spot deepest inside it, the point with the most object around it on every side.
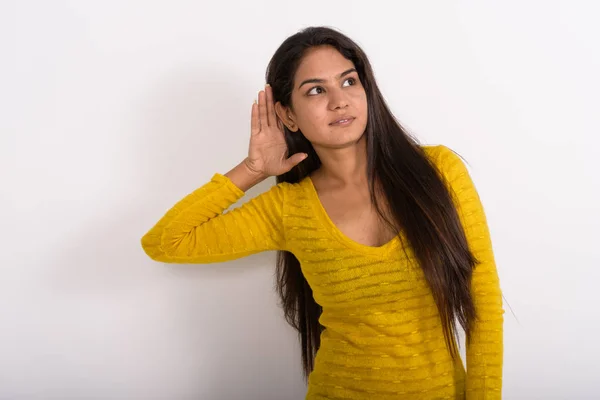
(344, 166)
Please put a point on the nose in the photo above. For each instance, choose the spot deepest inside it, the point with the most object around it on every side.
(337, 100)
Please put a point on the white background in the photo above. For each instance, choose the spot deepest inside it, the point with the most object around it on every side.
(111, 111)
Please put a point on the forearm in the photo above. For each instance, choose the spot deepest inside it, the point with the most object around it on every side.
(196, 229)
(485, 348)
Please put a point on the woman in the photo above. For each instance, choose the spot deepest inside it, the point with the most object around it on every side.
(382, 243)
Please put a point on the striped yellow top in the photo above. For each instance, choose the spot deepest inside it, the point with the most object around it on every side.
(383, 338)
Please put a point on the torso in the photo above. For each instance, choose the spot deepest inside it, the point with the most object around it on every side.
(351, 210)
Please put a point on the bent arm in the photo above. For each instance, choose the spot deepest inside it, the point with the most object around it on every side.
(197, 229)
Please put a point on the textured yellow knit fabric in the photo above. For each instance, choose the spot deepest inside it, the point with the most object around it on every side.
(383, 338)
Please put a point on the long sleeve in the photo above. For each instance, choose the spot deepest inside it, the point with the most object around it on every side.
(197, 229)
(485, 348)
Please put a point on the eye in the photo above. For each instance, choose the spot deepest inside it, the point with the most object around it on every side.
(313, 91)
(318, 89)
(352, 80)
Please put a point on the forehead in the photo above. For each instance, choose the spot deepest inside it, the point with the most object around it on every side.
(323, 62)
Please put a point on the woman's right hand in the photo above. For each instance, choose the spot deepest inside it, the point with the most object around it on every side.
(267, 153)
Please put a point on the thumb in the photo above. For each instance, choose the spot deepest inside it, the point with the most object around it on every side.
(295, 160)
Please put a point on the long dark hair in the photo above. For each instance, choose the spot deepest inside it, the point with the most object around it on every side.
(420, 203)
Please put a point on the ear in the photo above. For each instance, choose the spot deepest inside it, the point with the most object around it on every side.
(286, 116)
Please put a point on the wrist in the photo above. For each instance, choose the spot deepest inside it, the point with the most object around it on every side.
(244, 176)
(252, 171)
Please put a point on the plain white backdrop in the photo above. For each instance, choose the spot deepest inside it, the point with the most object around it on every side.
(111, 111)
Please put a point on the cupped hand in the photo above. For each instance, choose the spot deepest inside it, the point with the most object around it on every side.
(268, 151)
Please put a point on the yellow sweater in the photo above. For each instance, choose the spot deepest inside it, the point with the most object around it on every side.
(383, 338)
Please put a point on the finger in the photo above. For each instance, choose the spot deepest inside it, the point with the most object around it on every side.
(295, 159)
(270, 108)
(254, 122)
(262, 109)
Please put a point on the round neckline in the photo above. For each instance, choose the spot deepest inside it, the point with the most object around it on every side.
(322, 215)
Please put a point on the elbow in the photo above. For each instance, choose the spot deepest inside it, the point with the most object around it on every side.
(162, 248)
(152, 247)
(166, 248)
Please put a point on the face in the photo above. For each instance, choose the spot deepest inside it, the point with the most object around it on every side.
(329, 103)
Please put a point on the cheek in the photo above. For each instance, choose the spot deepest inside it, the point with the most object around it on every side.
(361, 99)
(315, 113)
(364, 109)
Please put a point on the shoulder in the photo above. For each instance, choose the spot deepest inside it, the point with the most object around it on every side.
(440, 154)
(448, 162)
(288, 187)
(287, 191)
(276, 192)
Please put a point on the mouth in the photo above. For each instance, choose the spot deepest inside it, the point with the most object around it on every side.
(343, 121)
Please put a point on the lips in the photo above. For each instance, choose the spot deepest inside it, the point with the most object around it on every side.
(342, 121)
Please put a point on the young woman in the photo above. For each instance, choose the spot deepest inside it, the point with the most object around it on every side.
(382, 243)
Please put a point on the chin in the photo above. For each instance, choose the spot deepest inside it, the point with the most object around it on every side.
(345, 140)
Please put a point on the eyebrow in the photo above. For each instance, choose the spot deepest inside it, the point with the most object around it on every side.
(318, 80)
